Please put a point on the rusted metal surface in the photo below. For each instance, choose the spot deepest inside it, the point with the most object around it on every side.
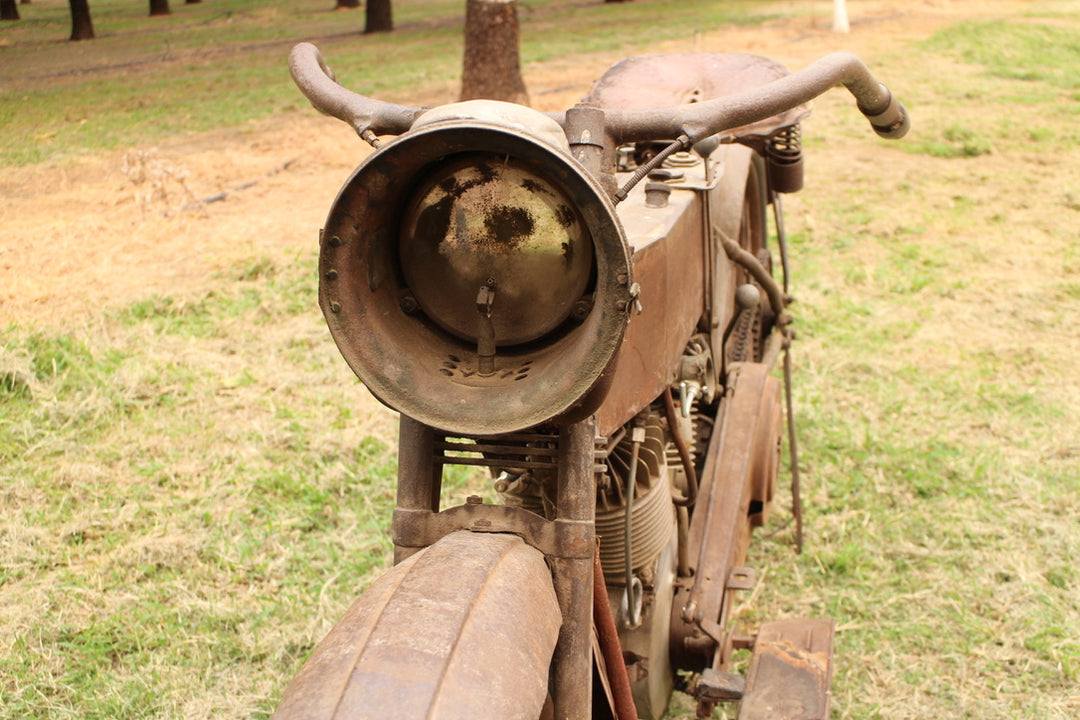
(660, 81)
(556, 538)
(431, 289)
(720, 528)
(486, 222)
(793, 456)
(698, 120)
(463, 630)
(668, 256)
(646, 648)
(757, 103)
(590, 144)
(411, 363)
(571, 672)
(690, 497)
(790, 672)
(608, 637)
(568, 542)
(765, 470)
(636, 462)
(366, 115)
(419, 479)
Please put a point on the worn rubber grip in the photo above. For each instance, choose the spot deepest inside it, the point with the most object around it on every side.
(893, 123)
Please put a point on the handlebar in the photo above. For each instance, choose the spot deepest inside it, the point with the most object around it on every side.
(697, 121)
(700, 120)
(366, 115)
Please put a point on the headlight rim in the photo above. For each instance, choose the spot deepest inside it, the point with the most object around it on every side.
(392, 353)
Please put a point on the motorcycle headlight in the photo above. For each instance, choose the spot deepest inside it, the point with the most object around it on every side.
(474, 275)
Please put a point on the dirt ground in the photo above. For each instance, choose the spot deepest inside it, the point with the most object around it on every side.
(84, 234)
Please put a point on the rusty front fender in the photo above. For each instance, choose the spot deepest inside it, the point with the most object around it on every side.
(464, 629)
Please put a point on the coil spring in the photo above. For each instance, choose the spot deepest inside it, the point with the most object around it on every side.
(786, 144)
(784, 153)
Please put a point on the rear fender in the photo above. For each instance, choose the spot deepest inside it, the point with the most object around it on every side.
(465, 628)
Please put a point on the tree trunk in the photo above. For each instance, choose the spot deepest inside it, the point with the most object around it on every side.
(81, 27)
(347, 4)
(378, 16)
(159, 7)
(492, 68)
(840, 19)
(9, 10)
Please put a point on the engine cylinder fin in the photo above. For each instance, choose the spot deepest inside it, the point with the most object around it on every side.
(651, 527)
(653, 519)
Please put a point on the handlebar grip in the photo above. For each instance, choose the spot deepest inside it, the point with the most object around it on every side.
(893, 123)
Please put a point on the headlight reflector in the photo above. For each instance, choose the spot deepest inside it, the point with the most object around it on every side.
(484, 220)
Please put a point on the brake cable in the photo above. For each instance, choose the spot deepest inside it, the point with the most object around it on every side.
(793, 447)
(681, 143)
(634, 590)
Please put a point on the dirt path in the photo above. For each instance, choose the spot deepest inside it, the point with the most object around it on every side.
(107, 229)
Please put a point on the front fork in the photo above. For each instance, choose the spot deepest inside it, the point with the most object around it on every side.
(568, 541)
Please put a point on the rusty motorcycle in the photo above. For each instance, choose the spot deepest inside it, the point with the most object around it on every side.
(584, 304)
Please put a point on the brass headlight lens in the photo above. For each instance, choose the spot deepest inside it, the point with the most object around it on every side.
(480, 220)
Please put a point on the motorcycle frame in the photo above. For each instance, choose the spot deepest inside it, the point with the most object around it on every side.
(568, 540)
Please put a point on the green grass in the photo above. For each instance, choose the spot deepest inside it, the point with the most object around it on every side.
(158, 472)
(935, 388)
(176, 508)
(1028, 65)
(1033, 51)
(193, 486)
(222, 63)
(930, 385)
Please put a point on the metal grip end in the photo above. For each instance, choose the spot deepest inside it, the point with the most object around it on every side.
(893, 123)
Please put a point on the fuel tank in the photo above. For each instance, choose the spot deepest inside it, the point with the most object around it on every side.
(674, 228)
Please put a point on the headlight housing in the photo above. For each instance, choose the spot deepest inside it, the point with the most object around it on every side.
(477, 227)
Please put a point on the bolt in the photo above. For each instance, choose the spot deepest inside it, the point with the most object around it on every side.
(656, 195)
(408, 304)
(335, 306)
(336, 241)
(331, 274)
(581, 310)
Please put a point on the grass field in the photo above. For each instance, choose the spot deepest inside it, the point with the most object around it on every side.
(223, 62)
(193, 487)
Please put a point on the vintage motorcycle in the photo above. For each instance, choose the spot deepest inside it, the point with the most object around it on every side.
(506, 281)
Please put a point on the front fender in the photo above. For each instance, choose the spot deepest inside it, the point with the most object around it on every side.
(465, 628)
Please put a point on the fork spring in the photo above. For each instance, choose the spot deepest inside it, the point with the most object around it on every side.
(785, 159)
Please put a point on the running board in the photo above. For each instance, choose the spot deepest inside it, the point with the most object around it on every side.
(790, 671)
